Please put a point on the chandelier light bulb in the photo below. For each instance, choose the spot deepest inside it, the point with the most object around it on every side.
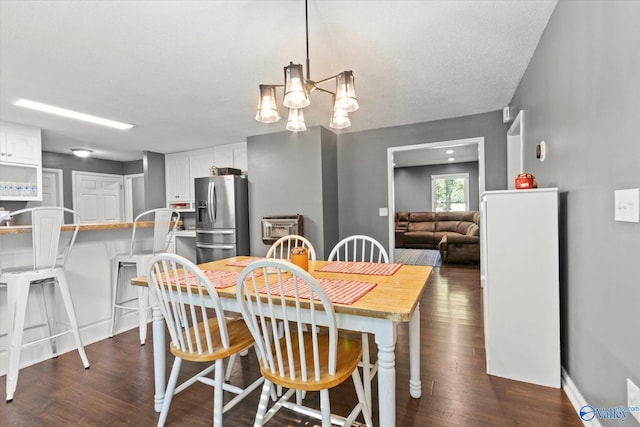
(267, 107)
(295, 94)
(296, 123)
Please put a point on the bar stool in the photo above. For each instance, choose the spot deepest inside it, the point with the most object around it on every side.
(137, 258)
(49, 259)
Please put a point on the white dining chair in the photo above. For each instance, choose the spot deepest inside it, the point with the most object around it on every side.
(361, 248)
(164, 224)
(199, 331)
(301, 358)
(50, 254)
(281, 249)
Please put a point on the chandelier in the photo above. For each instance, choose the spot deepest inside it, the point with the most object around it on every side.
(296, 95)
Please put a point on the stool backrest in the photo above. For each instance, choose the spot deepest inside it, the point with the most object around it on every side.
(162, 229)
(46, 227)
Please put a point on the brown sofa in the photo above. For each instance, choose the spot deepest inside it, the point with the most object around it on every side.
(455, 234)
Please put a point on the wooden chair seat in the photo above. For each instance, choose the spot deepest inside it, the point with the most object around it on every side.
(349, 352)
(239, 339)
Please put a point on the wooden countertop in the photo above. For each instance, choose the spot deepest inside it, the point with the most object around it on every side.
(83, 227)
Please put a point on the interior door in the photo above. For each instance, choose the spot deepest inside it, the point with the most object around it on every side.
(52, 194)
(98, 197)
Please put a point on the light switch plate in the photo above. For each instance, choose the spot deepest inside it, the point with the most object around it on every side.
(627, 205)
(383, 212)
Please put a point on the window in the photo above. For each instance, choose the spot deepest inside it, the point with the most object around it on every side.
(450, 193)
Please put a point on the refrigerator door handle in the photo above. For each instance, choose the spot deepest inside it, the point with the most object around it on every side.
(205, 231)
(215, 202)
(206, 246)
(210, 202)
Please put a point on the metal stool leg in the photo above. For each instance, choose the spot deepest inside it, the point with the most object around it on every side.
(17, 296)
(115, 274)
(68, 303)
(143, 304)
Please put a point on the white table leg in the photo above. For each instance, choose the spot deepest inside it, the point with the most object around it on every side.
(415, 385)
(158, 358)
(386, 341)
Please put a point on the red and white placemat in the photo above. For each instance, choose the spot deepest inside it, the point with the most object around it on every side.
(244, 262)
(374, 268)
(219, 279)
(339, 291)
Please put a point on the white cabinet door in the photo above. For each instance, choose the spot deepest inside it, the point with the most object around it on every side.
(231, 156)
(22, 148)
(177, 177)
(200, 162)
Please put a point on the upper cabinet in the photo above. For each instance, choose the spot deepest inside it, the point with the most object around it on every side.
(231, 156)
(182, 168)
(180, 171)
(20, 162)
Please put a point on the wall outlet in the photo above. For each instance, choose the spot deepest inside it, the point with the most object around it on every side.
(633, 399)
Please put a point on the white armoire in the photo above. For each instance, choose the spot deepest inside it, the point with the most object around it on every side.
(520, 280)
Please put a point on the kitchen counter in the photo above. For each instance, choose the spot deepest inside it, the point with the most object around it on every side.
(89, 273)
(17, 229)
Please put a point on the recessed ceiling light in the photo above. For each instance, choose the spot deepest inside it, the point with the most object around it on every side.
(81, 152)
(71, 114)
(449, 152)
(451, 159)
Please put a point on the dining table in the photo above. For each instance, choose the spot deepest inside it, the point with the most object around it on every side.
(392, 297)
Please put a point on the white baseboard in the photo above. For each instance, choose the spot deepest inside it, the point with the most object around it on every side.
(576, 399)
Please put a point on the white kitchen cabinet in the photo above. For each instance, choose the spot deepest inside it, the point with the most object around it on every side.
(20, 162)
(180, 170)
(200, 162)
(520, 279)
(231, 156)
(177, 178)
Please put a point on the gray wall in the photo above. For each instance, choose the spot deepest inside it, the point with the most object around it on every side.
(154, 180)
(581, 95)
(69, 163)
(362, 165)
(294, 173)
(412, 185)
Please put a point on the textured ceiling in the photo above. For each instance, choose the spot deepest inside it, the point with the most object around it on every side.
(186, 73)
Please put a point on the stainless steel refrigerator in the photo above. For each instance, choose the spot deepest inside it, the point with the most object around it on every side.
(222, 217)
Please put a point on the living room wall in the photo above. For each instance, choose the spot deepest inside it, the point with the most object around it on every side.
(362, 165)
(580, 94)
(412, 185)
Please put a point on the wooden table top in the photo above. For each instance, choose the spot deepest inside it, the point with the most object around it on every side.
(395, 297)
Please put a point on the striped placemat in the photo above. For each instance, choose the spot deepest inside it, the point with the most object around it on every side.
(244, 262)
(219, 279)
(375, 268)
(339, 291)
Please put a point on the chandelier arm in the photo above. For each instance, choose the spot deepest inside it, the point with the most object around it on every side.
(324, 90)
(306, 23)
(326, 80)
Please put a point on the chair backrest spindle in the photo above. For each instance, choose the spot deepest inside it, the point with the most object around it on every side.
(359, 248)
(284, 302)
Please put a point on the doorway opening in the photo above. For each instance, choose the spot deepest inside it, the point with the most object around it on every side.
(428, 152)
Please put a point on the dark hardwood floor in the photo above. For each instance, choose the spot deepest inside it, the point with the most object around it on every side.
(118, 388)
